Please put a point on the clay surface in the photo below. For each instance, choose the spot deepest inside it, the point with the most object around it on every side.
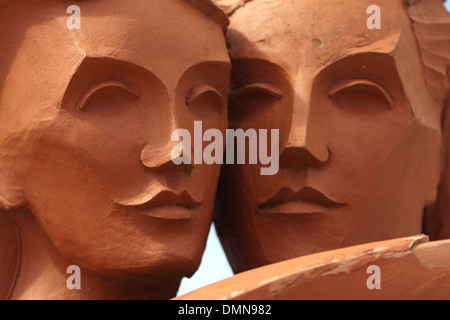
(86, 117)
(86, 171)
(411, 268)
(360, 115)
(433, 31)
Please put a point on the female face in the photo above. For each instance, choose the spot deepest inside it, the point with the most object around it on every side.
(359, 137)
(88, 117)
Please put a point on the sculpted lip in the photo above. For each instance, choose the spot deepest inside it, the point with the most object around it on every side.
(307, 200)
(168, 205)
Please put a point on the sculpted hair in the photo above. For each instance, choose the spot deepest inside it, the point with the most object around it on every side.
(431, 23)
(208, 7)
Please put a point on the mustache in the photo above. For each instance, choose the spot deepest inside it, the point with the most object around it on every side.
(306, 194)
(167, 198)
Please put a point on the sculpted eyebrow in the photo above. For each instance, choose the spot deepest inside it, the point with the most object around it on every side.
(93, 70)
(362, 59)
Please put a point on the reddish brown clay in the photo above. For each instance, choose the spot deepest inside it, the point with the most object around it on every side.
(86, 118)
(359, 112)
(433, 31)
(408, 268)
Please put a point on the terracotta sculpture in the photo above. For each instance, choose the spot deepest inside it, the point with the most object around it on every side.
(86, 118)
(399, 269)
(359, 112)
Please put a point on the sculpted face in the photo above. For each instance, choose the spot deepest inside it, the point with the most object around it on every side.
(87, 118)
(360, 137)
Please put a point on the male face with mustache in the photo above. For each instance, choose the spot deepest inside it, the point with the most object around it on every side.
(360, 135)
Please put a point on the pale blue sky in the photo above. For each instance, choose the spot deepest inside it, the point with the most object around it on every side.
(214, 265)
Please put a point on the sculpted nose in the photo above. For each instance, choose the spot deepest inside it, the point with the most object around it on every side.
(164, 158)
(160, 159)
(301, 157)
(305, 147)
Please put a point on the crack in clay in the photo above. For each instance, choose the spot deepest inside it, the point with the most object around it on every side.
(342, 266)
(277, 284)
(352, 263)
(275, 287)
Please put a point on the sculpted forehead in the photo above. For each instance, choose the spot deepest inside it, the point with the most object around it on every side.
(147, 33)
(160, 33)
(165, 37)
(311, 33)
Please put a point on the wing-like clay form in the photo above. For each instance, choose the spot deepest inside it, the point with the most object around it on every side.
(410, 268)
(432, 27)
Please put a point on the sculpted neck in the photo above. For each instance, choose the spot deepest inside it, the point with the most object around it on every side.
(43, 273)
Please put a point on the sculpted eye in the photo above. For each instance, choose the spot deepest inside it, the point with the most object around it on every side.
(247, 100)
(266, 90)
(204, 96)
(361, 95)
(107, 90)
